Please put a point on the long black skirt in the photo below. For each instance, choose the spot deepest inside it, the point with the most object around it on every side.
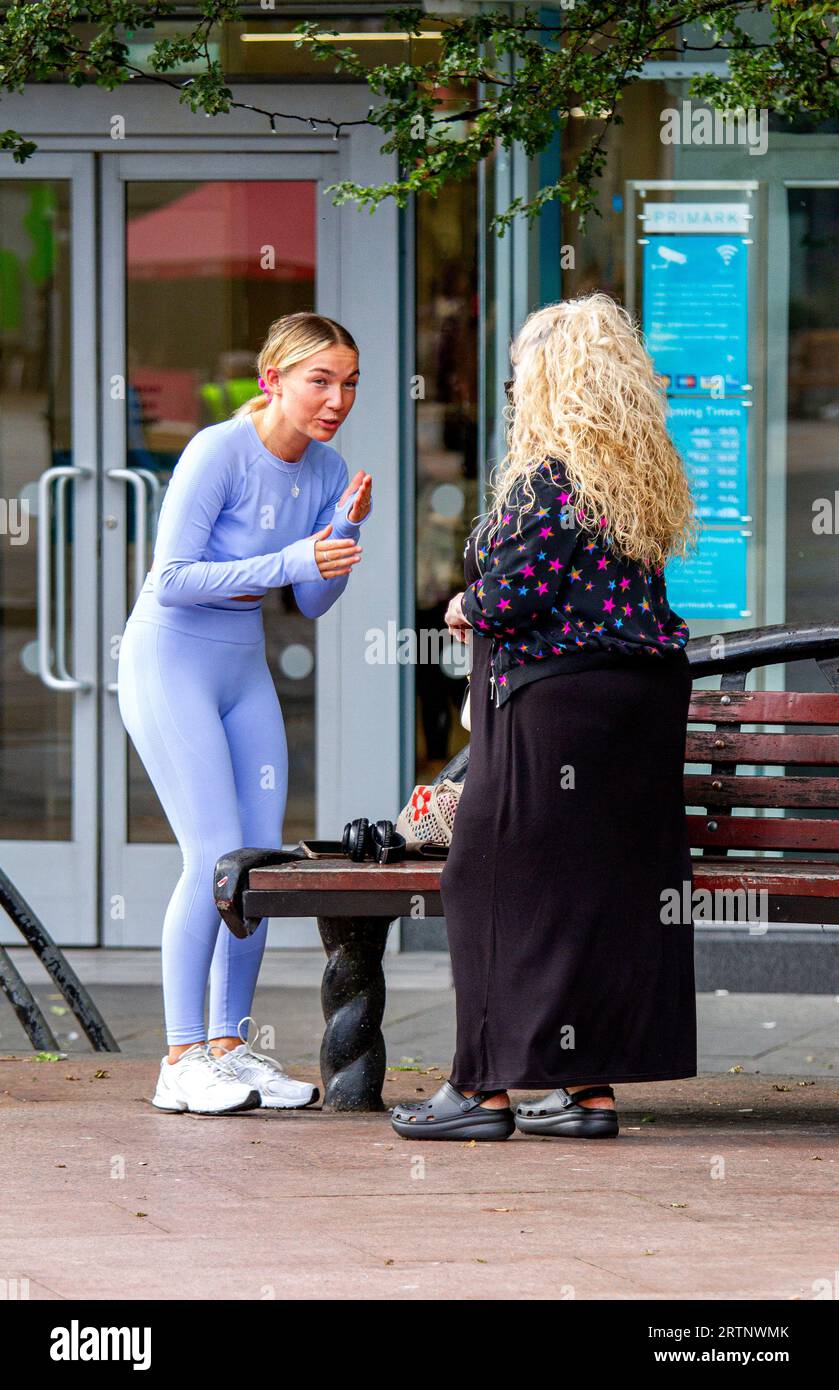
(569, 844)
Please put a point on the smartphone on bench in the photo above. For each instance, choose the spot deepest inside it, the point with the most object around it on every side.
(322, 849)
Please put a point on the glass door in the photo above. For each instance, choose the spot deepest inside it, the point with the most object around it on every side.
(200, 253)
(48, 551)
(812, 433)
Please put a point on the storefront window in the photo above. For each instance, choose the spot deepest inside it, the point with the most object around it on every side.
(36, 734)
(197, 311)
(264, 45)
(447, 329)
(593, 259)
(812, 569)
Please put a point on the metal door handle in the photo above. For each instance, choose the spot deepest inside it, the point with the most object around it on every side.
(156, 490)
(64, 681)
(139, 479)
(61, 487)
(138, 482)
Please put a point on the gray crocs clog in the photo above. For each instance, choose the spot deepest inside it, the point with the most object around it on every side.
(559, 1114)
(450, 1115)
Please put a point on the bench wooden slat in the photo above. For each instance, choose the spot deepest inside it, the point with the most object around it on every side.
(763, 707)
(704, 789)
(763, 832)
(791, 877)
(795, 878)
(344, 874)
(724, 746)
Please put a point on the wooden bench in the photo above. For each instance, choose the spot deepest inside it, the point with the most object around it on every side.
(355, 903)
(800, 889)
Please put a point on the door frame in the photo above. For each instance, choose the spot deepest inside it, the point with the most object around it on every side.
(59, 877)
(138, 878)
(819, 175)
(358, 705)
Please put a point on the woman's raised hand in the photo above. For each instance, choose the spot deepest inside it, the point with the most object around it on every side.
(361, 506)
(335, 557)
(456, 620)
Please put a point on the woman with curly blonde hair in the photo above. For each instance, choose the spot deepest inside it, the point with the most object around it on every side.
(570, 837)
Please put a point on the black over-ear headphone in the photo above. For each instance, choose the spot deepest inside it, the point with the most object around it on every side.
(380, 841)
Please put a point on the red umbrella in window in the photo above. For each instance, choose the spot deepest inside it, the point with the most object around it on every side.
(226, 229)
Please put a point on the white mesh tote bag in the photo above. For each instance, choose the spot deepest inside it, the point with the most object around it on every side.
(428, 818)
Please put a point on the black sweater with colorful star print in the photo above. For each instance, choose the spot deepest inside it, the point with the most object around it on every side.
(554, 598)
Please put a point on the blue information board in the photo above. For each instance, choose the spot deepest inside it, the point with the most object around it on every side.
(711, 583)
(695, 311)
(695, 319)
(711, 437)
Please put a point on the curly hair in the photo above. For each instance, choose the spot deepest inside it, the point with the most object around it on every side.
(585, 393)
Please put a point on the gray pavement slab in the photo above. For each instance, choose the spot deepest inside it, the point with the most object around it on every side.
(717, 1188)
(791, 1033)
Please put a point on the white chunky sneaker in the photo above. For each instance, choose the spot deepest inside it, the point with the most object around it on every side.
(277, 1091)
(200, 1082)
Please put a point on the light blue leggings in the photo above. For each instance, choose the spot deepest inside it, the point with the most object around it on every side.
(201, 709)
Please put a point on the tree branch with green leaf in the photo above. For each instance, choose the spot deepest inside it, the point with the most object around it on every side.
(529, 75)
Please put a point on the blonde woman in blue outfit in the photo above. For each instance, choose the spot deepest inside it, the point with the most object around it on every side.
(256, 502)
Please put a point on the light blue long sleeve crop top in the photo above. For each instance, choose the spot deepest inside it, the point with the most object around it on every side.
(229, 524)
